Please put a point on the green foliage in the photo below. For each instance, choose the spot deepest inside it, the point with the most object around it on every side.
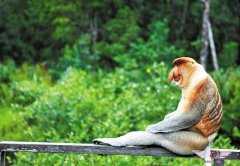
(64, 25)
(119, 32)
(11, 125)
(22, 86)
(229, 88)
(43, 30)
(222, 143)
(228, 56)
(123, 28)
(19, 87)
(155, 49)
(40, 31)
(78, 99)
(77, 56)
(6, 71)
(236, 132)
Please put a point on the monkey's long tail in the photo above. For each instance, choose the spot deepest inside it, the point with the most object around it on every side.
(182, 142)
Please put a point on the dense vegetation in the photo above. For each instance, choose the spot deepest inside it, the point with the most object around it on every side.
(73, 71)
(36, 31)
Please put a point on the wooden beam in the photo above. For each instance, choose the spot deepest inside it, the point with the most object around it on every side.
(9, 146)
(45, 147)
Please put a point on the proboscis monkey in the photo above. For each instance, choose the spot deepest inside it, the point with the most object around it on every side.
(196, 120)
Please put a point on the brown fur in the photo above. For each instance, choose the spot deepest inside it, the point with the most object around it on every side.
(198, 92)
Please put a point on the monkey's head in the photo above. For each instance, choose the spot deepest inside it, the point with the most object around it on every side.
(183, 70)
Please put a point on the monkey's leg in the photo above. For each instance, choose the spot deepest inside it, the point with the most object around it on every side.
(181, 142)
(129, 139)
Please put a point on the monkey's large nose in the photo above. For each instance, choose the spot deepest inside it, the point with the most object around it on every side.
(176, 74)
(177, 78)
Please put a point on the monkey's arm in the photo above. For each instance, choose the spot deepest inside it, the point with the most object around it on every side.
(170, 114)
(176, 122)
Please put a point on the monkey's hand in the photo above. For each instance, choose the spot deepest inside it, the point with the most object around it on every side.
(176, 122)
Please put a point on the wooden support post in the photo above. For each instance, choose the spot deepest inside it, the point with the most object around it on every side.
(2, 158)
(218, 162)
(207, 157)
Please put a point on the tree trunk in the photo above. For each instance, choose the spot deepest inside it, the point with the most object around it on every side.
(212, 46)
(204, 46)
(94, 29)
(207, 38)
(184, 16)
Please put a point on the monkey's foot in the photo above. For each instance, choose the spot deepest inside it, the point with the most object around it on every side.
(107, 141)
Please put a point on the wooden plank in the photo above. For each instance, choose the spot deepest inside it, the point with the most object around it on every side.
(84, 149)
(11, 146)
(226, 154)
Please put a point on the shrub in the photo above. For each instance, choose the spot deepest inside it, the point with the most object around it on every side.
(22, 85)
(6, 70)
(10, 124)
(156, 49)
(228, 57)
(78, 99)
(118, 32)
(229, 87)
(19, 87)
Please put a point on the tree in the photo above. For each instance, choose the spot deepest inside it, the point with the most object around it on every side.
(207, 38)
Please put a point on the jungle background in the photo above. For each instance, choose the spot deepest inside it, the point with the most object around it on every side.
(76, 70)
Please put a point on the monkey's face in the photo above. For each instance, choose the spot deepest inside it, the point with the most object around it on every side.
(183, 70)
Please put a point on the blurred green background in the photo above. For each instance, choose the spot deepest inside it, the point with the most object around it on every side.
(72, 71)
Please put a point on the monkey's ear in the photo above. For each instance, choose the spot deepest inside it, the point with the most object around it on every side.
(170, 76)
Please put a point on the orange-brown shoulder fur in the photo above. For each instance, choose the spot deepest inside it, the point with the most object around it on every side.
(200, 91)
(212, 117)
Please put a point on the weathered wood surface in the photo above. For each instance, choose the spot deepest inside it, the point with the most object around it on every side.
(9, 146)
(82, 149)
